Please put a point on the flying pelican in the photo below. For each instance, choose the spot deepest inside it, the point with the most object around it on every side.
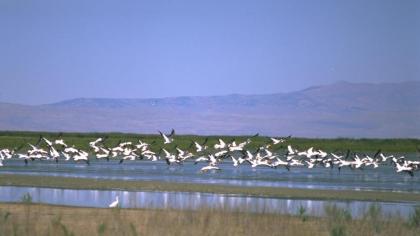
(48, 142)
(93, 145)
(280, 140)
(221, 153)
(60, 142)
(308, 153)
(105, 154)
(6, 154)
(71, 150)
(295, 162)
(404, 168)
(260, 162)
(130, 157)
(279, 162)
(235, 161)
(238, 147)
(211, 166)
(200, 147)
(36, 150)
(66, 155)
(291, 151)
(54, 154)
(357, 163)
(81, 156)
(167, 138)
(170, 158)
(220, 145)
(385, 158)
(201, 158)
(310, 164)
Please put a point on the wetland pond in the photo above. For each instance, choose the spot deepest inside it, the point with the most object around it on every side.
(191, 201)
(380, 179)
(383, 178)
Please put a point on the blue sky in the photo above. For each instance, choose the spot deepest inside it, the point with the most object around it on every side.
(52, 50)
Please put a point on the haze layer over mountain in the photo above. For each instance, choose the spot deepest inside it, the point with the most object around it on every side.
(337, 110)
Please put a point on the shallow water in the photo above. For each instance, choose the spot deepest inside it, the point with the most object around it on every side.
(182, 200)
(383, 178)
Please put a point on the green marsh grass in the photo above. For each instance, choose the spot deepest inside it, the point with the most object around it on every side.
(12, 139)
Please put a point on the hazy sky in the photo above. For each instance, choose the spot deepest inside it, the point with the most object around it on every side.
(52, 50)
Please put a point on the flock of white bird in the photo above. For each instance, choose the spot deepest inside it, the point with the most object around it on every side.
(221, 151)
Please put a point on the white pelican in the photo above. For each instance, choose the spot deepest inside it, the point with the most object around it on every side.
(295, 162)
(36, 150)
(291, 151)
(170, 158)
(6, 154)
(60, 142)
(308, 153)
(260, 162)
(280, 162)
(48, 142)
(404, 168)
(385, 158)
(105, 154)
(220, 145)
(130, 157)
(167, 138)
(81, 156)
(221, 153)
(209, 167)
(235, 161)
(310, 164)
(200, 147)
(279, 140)
(71, 150)
(54, 154)
(115, 203)
(201, 158)
(238, 147)
(66, 155)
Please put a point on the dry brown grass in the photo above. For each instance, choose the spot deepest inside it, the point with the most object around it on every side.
(34, 219)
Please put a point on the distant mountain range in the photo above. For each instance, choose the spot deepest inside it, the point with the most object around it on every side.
(341, 109)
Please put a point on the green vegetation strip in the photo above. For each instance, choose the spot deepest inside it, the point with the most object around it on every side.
(292, 193)
(13, 139)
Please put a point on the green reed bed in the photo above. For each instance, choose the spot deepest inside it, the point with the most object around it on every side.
(12, 139)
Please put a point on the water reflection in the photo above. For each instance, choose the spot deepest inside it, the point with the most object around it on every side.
(182, 200)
